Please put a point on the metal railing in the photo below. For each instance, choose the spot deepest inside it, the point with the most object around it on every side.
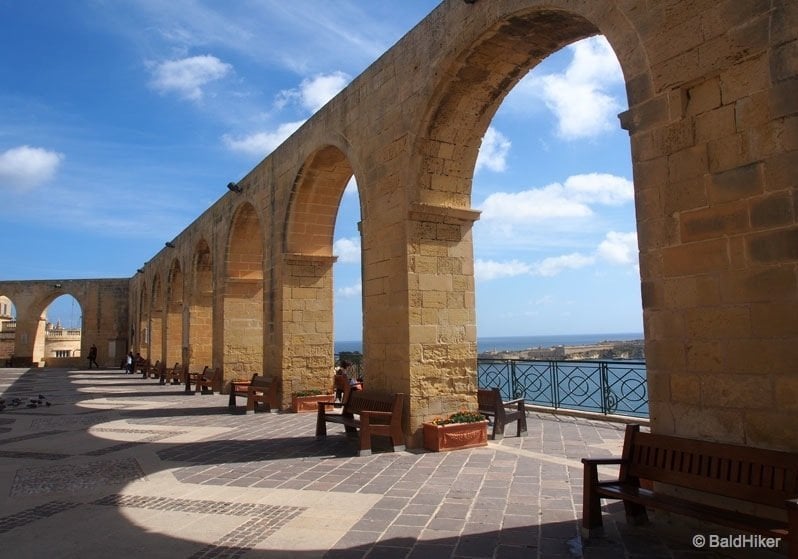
(608, 387)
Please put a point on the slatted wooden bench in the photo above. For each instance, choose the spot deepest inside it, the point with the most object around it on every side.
(207, 380)
(173, 375)
(501, 413)
(238, 387)
(377, 414)
(262, 390)
(148, 371)
(747, 478)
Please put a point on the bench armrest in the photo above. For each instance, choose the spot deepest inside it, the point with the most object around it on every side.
(374, 413)
(513, 402)
(601, 461)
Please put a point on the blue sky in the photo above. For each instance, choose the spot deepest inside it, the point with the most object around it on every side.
(122, 121)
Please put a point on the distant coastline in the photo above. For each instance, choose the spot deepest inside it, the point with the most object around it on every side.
(520, 343)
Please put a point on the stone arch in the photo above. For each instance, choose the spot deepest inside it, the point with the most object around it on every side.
(475, 77)
(173, 323)
(142, 318)
(306, 306)
(242, 309)
(156, 314)
(8, 328)
(200, 309)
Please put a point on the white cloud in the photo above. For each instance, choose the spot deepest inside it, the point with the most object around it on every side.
(581, 97)
(554, 265)
(493, 152)
(616, 248)
(569, 200)
(350, 291)
(262, 143)
(187, 76)
(313, 93)
(600, 188)
(489, 269)
(347, 249)
(619, 248)
(27, 167)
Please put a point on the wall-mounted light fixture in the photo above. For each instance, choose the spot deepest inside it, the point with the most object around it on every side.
(170, 244)
(57, 285)
(233, 187)
(140, 271)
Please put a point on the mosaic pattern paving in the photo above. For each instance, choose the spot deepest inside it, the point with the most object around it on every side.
(75, 477)
(265, 520)
(34, 514)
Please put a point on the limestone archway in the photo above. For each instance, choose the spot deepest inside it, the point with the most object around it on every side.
(200, 310)
(156, 314)
(173, 331)
(307, 270)
(242, 307)
(142, 318)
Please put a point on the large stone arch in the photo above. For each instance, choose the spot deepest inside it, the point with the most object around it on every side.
(173, 321)
(200, 309)
(156, 316)
(242, 295)
(306, 300)
(472, 79)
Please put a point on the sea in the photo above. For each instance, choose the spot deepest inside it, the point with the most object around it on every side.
(518, 343)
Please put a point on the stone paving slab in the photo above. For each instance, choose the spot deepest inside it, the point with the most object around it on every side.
(121, 466)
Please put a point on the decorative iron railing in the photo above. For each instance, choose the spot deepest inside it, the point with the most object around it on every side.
(608, 387)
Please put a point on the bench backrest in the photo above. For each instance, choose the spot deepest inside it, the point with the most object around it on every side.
(757, 475)
(360, 400)
(265, 381)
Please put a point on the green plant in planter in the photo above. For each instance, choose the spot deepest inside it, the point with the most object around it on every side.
(463, 416)
(313, 392)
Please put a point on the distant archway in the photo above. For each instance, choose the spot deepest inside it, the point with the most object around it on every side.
(307, 304)
(200, 310)
(243, 296)
(173, 334)
(156, 321)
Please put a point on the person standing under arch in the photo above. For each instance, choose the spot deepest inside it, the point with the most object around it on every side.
(93, 356)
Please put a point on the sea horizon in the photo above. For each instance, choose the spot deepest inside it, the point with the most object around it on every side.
(519, 343)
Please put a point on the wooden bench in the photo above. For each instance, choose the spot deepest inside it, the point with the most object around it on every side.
(238, 387)
(173, 375)
(207, 380)
(501, 413)
(262, 389)
(378, 414)
(745, 477)
(148, 370)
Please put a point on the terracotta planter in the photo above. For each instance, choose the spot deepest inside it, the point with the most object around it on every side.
(453, 436)
(301, 404)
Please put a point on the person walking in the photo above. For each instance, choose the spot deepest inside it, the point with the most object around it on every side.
(93, 356)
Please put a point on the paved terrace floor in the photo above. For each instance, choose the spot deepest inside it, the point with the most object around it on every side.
(118, 466)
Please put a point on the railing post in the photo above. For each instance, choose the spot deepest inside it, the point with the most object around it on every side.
(513, 382)
(604, 387)
(555, 381)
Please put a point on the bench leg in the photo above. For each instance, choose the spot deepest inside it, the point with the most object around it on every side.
(592, 523)
(231, 402)
(635, 514)
(521, 420)
(321, 424)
